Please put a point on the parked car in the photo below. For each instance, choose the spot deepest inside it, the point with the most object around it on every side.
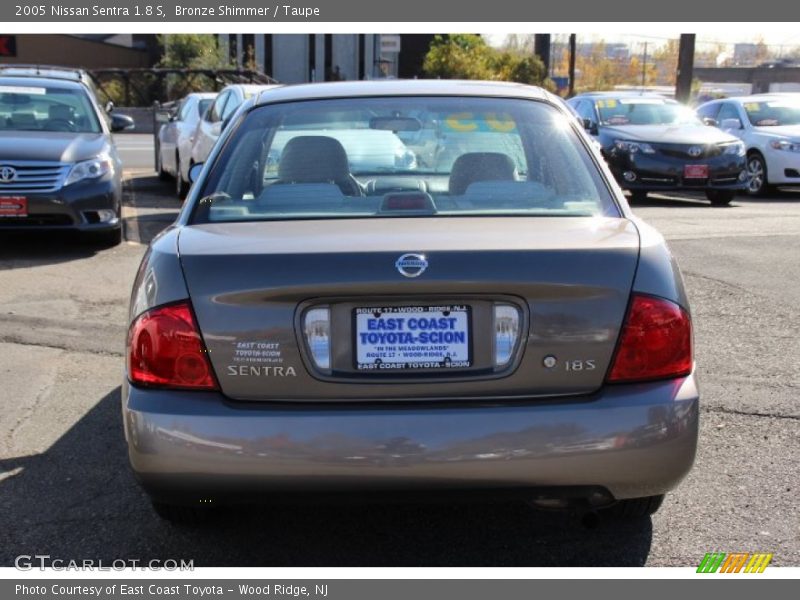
(176, 137)
(59, 167)
(652, 143)
(213, 121)
(769, 126)
(497, 321)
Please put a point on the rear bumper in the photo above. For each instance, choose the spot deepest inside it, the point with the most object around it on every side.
(631, 440)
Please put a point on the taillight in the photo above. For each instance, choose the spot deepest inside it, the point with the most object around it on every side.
(655, 343)
(165, 350)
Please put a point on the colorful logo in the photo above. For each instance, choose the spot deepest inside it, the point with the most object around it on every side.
(735, 562)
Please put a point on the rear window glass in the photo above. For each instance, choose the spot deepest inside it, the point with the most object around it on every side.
(40, 108)
(403, 156)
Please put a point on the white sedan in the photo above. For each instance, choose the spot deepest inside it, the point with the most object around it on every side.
(176, 136)
(769, 125)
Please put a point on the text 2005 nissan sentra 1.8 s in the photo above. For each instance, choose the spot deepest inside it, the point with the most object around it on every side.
(409, 285)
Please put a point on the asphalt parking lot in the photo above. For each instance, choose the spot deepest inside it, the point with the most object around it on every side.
(66, 491)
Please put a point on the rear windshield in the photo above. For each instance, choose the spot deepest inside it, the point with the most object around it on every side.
(644, 111)
(773, 113)
(39, 108)
(403, 156)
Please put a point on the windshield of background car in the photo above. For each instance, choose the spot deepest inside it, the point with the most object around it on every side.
(38, 108)
(403, 156)
(644, 111)
(773, 113)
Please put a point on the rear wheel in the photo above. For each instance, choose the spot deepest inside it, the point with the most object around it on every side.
(720, 197)
(182, 515)
(757, 182)
(634, 508)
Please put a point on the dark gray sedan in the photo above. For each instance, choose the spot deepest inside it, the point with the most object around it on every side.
(481, 313)
(59, 167)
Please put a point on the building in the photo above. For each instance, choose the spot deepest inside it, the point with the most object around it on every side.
(89, 52)
(300, 58)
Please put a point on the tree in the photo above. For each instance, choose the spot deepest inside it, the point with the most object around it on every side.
(191, 51)
(467, 56)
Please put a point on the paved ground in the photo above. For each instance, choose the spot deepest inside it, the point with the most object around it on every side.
(65, 489)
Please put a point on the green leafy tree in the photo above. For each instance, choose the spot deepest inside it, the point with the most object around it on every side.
(191, 51)
(466, 56)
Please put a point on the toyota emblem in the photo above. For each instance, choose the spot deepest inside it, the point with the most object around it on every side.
(695, 151)
(7, 174)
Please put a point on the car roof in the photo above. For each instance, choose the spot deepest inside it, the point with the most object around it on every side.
(41, 81)
(625, 95)
(757, 97)
(248, 87)
(399, 87)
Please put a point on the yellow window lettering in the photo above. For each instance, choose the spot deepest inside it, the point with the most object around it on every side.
(461, 122)
(501, 123)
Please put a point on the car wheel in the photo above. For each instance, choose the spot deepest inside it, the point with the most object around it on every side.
(720, 197)
(181, 186)
(634, 508)
(182, 515)
(757, 182)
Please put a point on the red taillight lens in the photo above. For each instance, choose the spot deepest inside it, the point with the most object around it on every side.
(655, 343)
(165, 350)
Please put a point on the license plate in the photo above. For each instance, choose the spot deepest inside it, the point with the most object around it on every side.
(402, 338)
(695, 171)
(13, 206)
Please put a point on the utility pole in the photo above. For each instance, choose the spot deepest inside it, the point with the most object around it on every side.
(572, 51)
(683, 79)
(541, 48)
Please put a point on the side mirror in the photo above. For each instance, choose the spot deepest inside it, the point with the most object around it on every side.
(711, 122)
(731, 124)
(590, 126)
(122, 123)
(109, 107)
(194, 172)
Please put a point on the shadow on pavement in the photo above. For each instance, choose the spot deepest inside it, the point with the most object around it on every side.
(150, 207)
(23, 249)
(79, 500)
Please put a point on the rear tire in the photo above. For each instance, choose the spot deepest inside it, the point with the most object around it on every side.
(182, 515)
(720, 197)
(634, 508)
